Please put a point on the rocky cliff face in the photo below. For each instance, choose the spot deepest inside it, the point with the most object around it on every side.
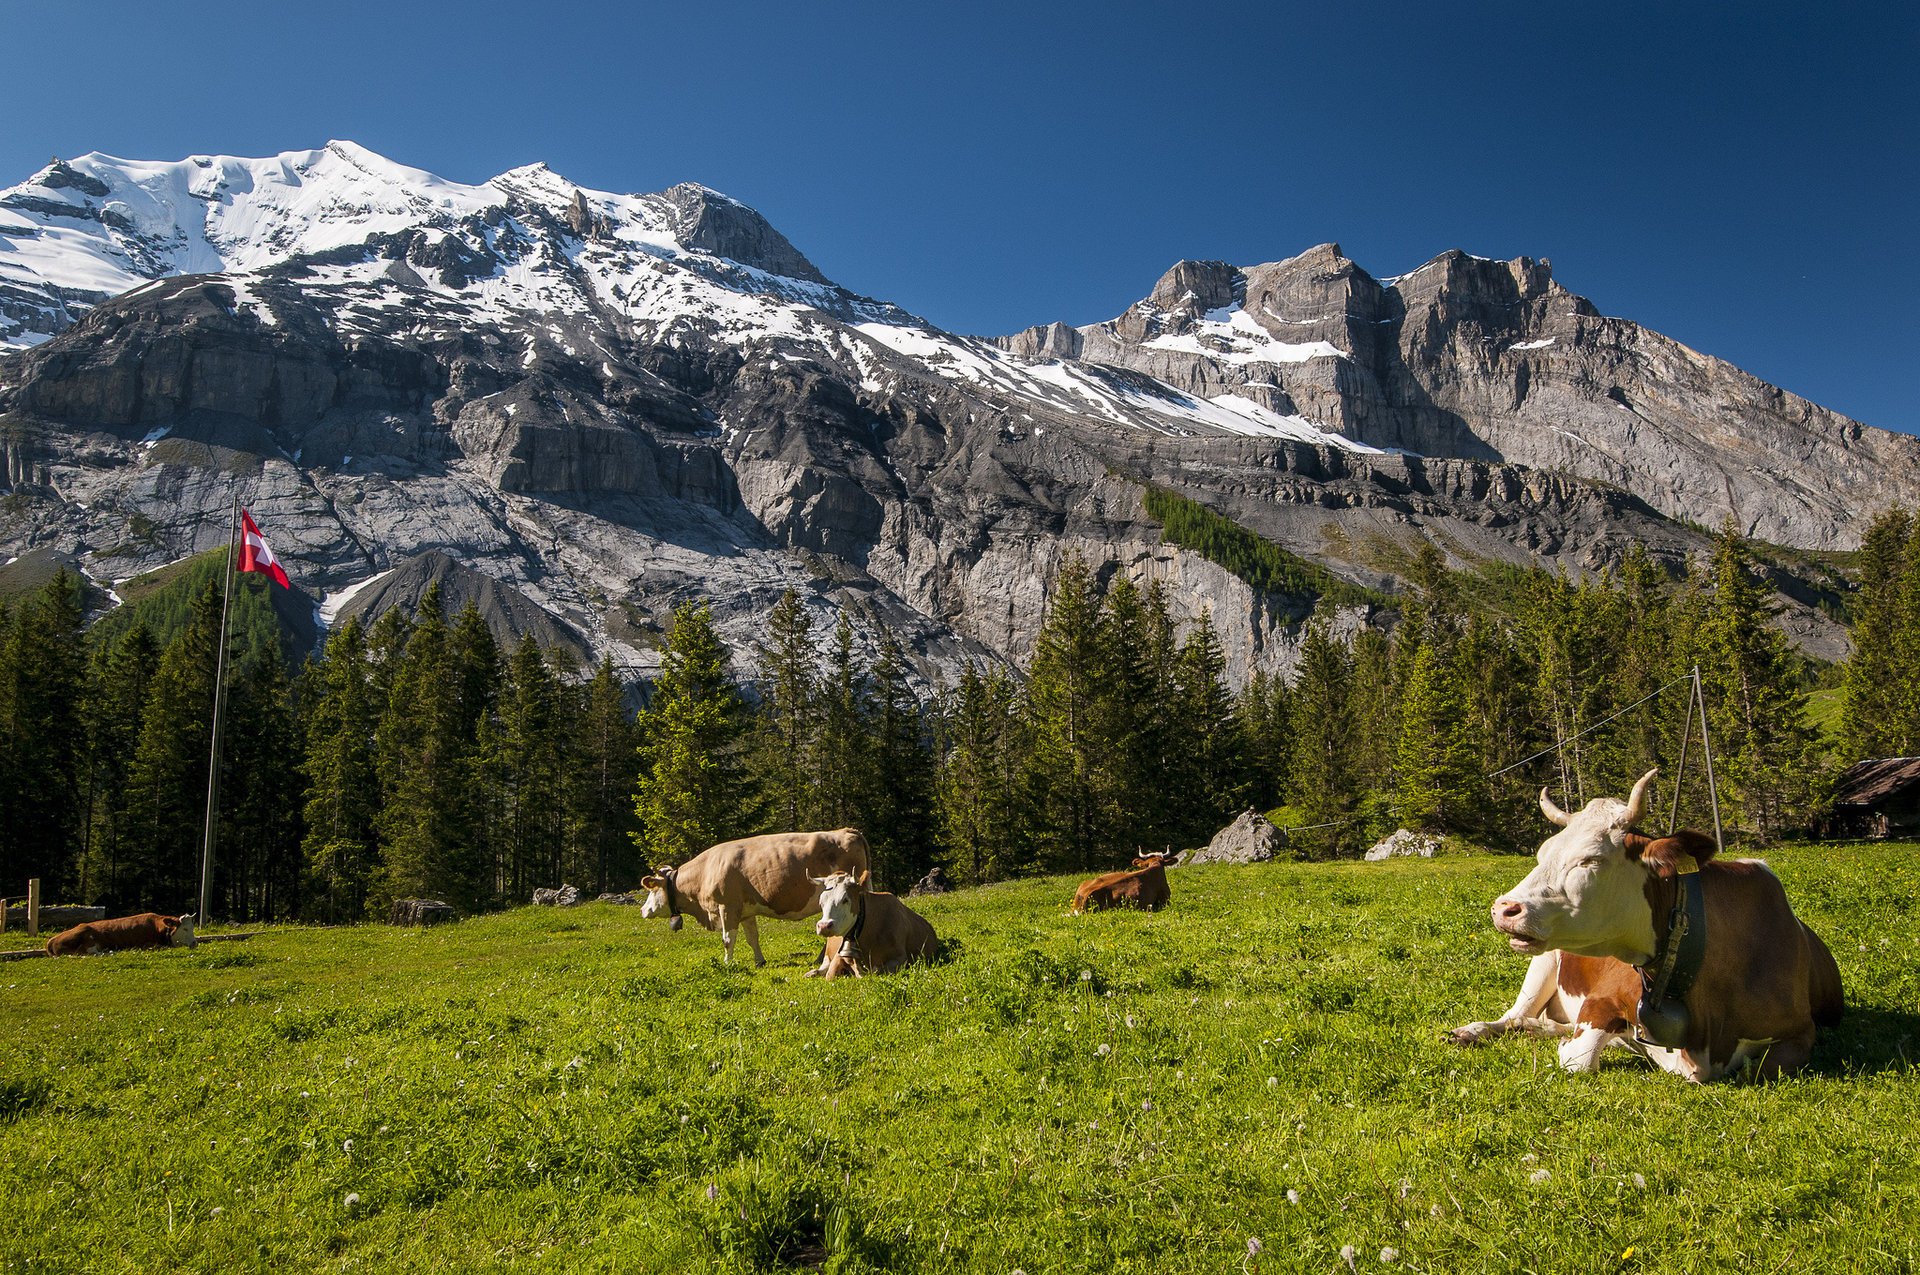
(603, 405)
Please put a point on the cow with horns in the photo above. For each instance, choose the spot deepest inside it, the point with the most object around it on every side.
(1694, 961)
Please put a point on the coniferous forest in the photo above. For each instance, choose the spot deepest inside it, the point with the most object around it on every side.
(417, 758)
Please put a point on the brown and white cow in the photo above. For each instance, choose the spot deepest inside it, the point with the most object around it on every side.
(868, 931)
(123, 933)
(727, 886)
(1144, 887)
(1595, 913)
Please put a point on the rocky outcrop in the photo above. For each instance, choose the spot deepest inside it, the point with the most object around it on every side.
(1403, 843)
(1250, 838)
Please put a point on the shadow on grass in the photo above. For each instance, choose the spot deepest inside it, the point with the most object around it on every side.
(1869, 1039)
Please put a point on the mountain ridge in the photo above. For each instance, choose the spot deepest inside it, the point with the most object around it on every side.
(612, 403)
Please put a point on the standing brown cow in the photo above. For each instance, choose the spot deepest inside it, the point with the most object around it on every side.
(122, 933)
(1144, 887)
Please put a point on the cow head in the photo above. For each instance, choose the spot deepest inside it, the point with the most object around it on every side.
(840, 901)
(180, 933)
(1587, 893)
(657, 904)
(1153, 860)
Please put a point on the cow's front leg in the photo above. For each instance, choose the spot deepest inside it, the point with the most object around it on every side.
(729, 920)
(750, 926)
(1582, 1053)
(1536, 991)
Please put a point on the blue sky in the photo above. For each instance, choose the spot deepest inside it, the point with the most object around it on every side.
(1742, 178)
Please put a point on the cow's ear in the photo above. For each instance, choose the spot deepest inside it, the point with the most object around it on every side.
(1636, 845)
(650, 883)
(864, 874)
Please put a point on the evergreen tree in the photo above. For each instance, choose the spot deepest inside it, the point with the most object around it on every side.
(115, 706)
(340, 847)
(982, 820)
(43, 738)
(838, 758)
(426, 744)
(1134, 713)
(1435, 774)
(788, 722)
(605, 769)
(1070, 764)
(898, 805)
(257, 868)
(167, 781)
(1265, 712)
(1322, 778)
(532, 732)
(1761, 741)
(1208, 768)
(689, 795)
(1876, 719)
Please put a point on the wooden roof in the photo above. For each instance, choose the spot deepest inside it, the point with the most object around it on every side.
(1868, 783)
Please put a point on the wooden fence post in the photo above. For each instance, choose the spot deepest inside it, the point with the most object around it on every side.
(33, 908)
(3, 916)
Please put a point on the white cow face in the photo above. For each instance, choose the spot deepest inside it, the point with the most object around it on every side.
(656, 901)
(839, 901)
(1586, 894)
(182, 935)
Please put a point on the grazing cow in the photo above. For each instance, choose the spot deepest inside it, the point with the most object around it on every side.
(868, 931)
(1144, 887)
(727, 886)
(1695, 962)
(123, 933)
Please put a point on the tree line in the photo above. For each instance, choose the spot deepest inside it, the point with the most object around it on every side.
(416, 757)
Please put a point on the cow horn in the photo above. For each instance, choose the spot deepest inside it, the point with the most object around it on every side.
(1637, 802)
(1553, 813)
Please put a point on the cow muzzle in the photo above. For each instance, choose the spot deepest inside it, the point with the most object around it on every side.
(1510, 917)
(823, 926)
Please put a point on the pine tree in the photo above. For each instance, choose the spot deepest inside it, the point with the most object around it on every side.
(167, 781)
(340, 848)
(534, 766)
(1134, 712)
(1322, 778)
(838, 758)
(898, 805)
(689, 795)
(426, 743)
(258, 869)
(1435, 773)
(788, 722)
(982, 819)
(1071, 758)
(605, 769)
(1265, 712)
(1209, 767)
(1754, 699)
(43, 738)
(115, 707)
(1875, 719)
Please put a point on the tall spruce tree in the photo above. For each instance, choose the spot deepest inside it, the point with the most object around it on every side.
(1435, 773)
(898, 790)
(605, 768)
(1322, 773)
(43, 738)
(167, 781)
(690, 790)
(838, 758)
(532, 771)
(982, 817)
(1070, 766)
(258, 869)
(340, 846)
(787, 725)
(1209, 765)
(115, 705)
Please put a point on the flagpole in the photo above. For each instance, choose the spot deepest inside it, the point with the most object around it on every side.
(219, 700)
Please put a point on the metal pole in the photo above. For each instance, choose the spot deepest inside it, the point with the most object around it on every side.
(33, 908)
(219, 700)
(1680, 774)
(1706, 751)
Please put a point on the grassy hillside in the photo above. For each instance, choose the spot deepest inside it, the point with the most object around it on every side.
(582, 1090)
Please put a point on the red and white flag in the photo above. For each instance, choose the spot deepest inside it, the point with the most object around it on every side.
(254, 554)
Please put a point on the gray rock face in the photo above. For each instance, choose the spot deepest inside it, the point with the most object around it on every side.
(528, 398)
(1403, 843)
(1250, 838)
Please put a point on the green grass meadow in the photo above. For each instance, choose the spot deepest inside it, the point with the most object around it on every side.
(1262, 1063)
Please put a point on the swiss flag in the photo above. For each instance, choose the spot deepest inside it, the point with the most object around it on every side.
(254, 554)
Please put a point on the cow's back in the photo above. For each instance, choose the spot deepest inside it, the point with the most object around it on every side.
(896, 933)
(1828, 1001)
(770, 872)
(146, 929)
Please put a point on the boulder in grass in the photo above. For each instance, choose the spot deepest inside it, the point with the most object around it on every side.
(1403, 842)
(616, 898)
(564, 897)
(935, 882)
(421, 912)
(1251, 838)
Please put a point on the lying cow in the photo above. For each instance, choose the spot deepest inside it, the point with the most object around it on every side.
(1704, 976)
(728, 886)
(1144, 887)
(123, 933)
(868, 931)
